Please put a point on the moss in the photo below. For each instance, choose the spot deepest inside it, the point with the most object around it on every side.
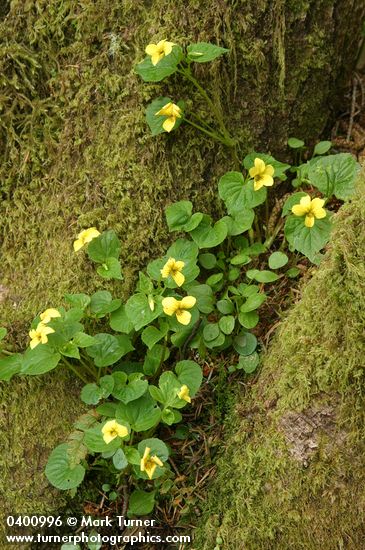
(292, 471)
(35, 414)
(75, 151)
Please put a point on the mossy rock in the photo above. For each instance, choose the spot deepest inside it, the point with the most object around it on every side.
(292, 471)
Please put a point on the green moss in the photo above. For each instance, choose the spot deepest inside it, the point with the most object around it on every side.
(35, 415)
(292, 471)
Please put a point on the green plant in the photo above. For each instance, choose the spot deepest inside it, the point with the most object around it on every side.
(136, 358)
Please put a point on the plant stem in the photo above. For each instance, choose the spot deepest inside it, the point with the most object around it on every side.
(274, 234)
(74, 370)
(213, 135)
(6, 352)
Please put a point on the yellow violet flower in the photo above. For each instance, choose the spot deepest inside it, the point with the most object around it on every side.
(49, 314)
(172, 306)
(262, 174)
(112, 429)
(184, 393)
(85, 237)
(172, 111)
(311, 209)
(39, 335)
(159, 50)
(173, 268)
(150, 463)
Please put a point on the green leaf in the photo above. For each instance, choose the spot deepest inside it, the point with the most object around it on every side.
(214, 279)
(262, 276)
(70, 350)
(119, 320)
(225, 306)
(211, 331)
(141, 414)
(204, 297)
(10, 365)
(334, 175)
(207, 260)
(39, 360)
(151, 335)
(58, 470)
(141, 503)
(102, 303)
(94, 441)
(238, 224)
(217, 342)
(208, 236)
(249, 363)
(3, 333)
(203, 52)
(240, 259)
(237, 195)
(139, 312)
(110, 269)
(322, 147)
(109, 349)
(131, 391)
(179, 216)
(291, 201)
(190, 374)
(279, 167)
(293, 272)
(132, 455)
(104, 247)
(307, 240)
(245, 343)
(248, 320)
(277, 260)
(165, 67)
(120, 460)
(253, 302)
(154, 357)
(91, 394)
(295, 143)
(155, 121)
(226, 324)
(80, 301)
(83, 340)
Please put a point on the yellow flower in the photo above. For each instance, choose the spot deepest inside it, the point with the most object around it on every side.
(173, 268)
(150, 463)
(184, 393)
(262, 174)
(159, 50)
(49, 314)
(311, 209)
(85, 237)
(39, 335)
(112, 429)
(172, 111)
(172, 306)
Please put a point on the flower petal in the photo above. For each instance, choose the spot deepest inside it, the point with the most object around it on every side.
(169, 123)
(305, 201)
(151, 49)
(183, 316)
(309, 220)
(188, 302)
(178, 278)
(299, 210)
(155, 58)
(257, 184)
(267, 180)
(259, 165)
(170, 305)
(269, 170)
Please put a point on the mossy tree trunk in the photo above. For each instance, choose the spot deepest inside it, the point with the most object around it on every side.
(75, 150)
